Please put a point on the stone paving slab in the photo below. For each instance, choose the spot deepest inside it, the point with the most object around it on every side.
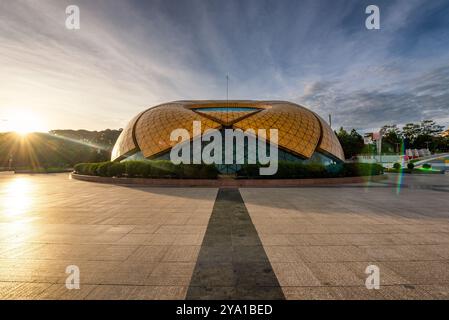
(129, 243)
(320, 240)
(148, 243)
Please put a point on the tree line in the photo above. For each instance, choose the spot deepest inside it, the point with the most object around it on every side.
(65, 148)
(423, 135)
(58, 148)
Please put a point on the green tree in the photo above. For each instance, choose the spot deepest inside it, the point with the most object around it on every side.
(421, 135)
(430, 128)
(59, 148)
(392, 138)
(352, 142)
(411, 131)
(440, 144)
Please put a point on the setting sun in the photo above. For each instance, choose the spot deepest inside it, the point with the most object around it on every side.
(24, 122)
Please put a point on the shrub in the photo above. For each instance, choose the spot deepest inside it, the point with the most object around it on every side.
(92, 169)
(145, 170)
(249, 170)
(427, 166)
(154, 169)
(86, 168)
(103, 169)
(295, 170)
(80, 168)
(164, 169)
(116, 169)
(335, 170)
(397, 166)
(316, 169)
(195, 171)
(362, 169)
(208, 172)
(136, 168)
(188, 171)
(410, 165)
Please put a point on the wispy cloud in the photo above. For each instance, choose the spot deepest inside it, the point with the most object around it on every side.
(130, 55)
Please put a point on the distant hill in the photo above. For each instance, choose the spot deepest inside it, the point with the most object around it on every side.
(58, 148)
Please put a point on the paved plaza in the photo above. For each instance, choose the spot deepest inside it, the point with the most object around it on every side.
(205, 243)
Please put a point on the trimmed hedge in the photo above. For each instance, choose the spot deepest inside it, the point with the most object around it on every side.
(295, 170)
(147, 169)
(87, 168)
(166, 169)
(116, 169)
(103, 169)
(415, 171)
(362, 169)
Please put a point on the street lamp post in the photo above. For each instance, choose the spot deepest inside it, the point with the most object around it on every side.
(10, 160)
(227, 90)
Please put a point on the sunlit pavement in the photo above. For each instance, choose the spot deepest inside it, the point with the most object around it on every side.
(144, 243)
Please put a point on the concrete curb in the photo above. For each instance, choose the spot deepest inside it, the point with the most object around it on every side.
(227, 183)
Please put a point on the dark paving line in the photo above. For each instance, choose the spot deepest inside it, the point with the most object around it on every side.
(232, 263)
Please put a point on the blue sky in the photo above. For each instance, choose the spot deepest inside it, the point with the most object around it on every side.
(129, 55)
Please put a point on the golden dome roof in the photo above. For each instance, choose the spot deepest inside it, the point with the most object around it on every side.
(300, 131)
